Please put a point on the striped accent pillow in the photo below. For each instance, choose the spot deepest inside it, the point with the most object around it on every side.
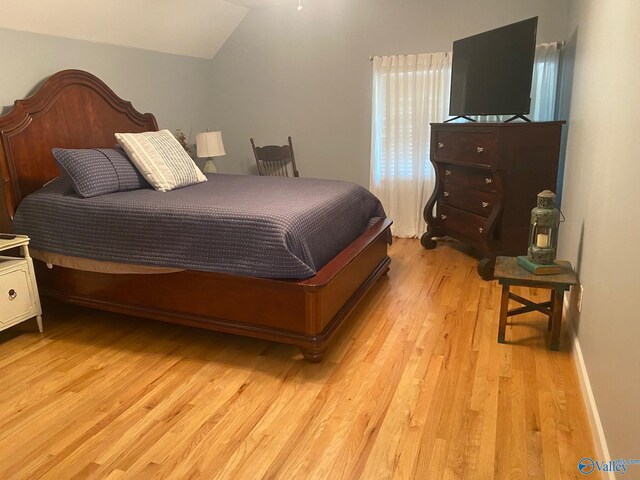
(161, 159)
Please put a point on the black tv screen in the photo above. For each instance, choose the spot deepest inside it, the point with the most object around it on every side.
(491, 72)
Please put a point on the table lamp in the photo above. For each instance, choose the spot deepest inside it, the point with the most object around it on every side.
(208, 145)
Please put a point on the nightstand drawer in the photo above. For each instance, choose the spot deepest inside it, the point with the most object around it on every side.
(15, 296)
(475, 148)
(467, 177)
(476, 201)
(461, 222)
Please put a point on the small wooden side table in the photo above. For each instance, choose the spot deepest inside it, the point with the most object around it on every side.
(509, 273)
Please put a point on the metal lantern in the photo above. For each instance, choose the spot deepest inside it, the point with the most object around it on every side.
(543, 235)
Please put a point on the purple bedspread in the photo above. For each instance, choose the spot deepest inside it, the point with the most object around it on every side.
(268, 227)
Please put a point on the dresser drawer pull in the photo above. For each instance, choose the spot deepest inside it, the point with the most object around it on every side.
(479, 149)
(488, 180)
(485, 204)
(12, 294)
(480, 229)
(440, 145)
(447, 172)
(443, 217)
(446, 194)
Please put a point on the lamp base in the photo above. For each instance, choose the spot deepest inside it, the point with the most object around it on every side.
(209, 166)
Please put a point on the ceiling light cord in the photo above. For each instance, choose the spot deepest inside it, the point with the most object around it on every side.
(299, 5)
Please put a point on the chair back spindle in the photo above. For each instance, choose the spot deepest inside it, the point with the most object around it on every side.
(275, 160)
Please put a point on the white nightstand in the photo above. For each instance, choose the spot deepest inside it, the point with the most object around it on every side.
(19, 299)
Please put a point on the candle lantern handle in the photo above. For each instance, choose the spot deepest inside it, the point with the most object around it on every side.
(532, 238)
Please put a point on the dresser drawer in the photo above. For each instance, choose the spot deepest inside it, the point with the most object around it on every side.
(470, 147)
(461, 222)
(467, 177)
(480, 202)
(15, 295)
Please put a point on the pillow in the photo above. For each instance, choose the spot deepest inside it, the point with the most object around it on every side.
(161, 159)
(98, 171)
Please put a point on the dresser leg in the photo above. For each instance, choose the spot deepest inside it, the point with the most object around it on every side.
(485, 268)
(427, 240)
(39, 320)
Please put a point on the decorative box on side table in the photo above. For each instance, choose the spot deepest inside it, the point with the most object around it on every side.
(488, 176)
(19, 299)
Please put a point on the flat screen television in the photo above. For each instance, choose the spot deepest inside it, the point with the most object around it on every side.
(491, 71)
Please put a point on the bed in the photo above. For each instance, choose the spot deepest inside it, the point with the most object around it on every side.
(74, 109)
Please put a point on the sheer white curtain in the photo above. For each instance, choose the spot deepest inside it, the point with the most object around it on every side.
(409, 92)
(545, 80)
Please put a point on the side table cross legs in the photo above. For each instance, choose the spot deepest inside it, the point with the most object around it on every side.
(509, 274)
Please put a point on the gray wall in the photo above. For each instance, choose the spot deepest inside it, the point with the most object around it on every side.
(307, 74)
(601, 197)
(172, 87)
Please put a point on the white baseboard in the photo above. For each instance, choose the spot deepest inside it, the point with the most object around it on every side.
(602, 450)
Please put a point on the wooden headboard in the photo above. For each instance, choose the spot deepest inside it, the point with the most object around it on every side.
(71, 109)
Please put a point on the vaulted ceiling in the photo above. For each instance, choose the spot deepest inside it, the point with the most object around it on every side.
(196, 28)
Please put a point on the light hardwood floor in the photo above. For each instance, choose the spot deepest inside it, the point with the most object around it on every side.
(414, 387)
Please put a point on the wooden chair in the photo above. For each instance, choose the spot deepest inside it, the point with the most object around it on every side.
(275, 160)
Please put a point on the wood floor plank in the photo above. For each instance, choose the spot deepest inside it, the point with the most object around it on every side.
(414, 387)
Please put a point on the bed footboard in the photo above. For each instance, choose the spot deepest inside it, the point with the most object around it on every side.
(305, 313)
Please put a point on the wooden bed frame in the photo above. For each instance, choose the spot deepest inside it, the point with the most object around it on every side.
(74, 109)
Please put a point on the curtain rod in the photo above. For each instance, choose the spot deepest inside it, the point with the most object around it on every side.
(559, 44)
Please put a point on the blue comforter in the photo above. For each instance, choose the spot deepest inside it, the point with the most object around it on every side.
(268, 227)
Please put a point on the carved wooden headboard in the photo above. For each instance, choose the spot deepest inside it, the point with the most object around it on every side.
(71, 109)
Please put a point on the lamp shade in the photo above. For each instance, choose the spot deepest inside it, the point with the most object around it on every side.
(209, 144)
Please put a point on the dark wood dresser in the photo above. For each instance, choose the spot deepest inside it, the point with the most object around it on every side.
(487, 179)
